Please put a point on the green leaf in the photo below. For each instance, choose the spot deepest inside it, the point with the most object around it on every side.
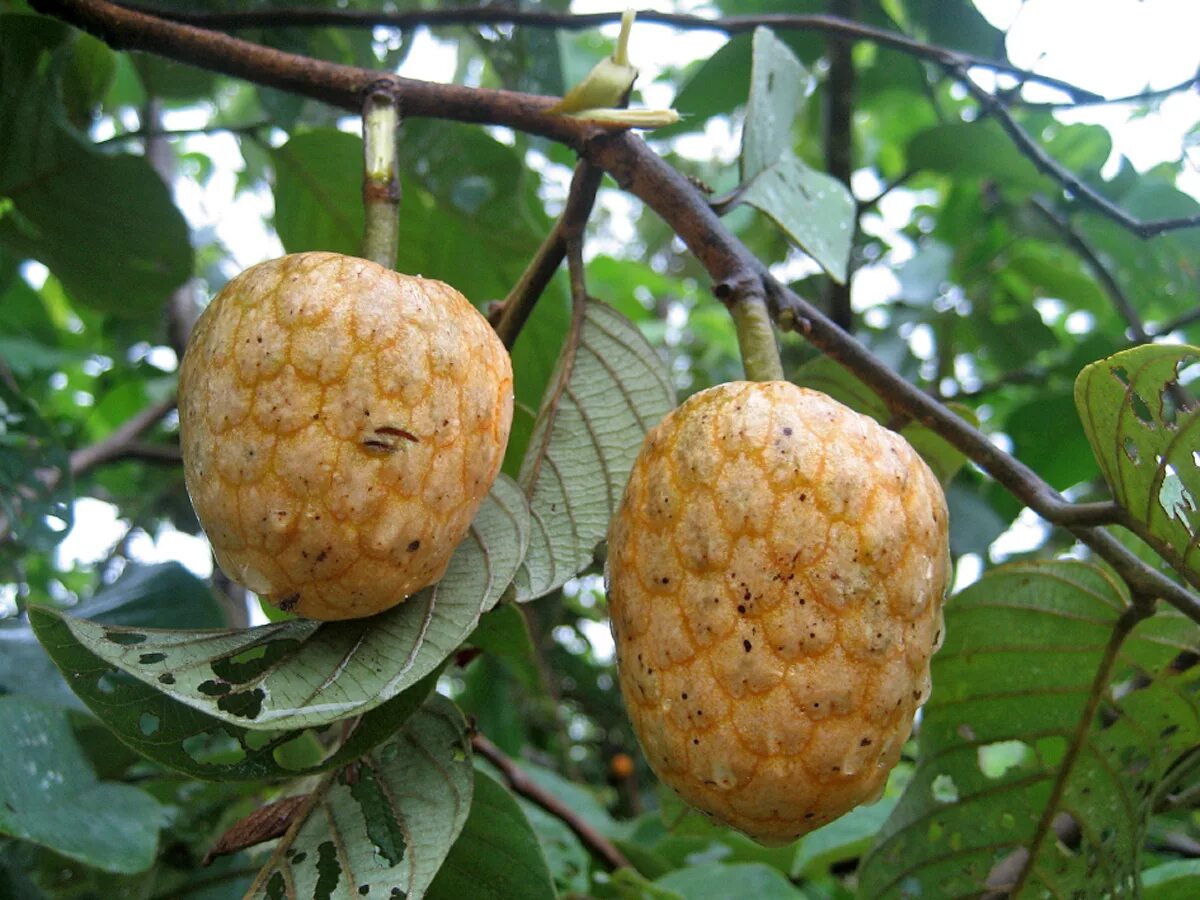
(717, 86)
(65, 197)
(165, 595)
(180, 737)
(1146, 444)
(504, 634)
(318, 192)
(717, 881)
(1046, 438)
(815, 211)
(497, 856)
(1171, 881)
(89, 74)
(777, 85)
(51, 795)
(842, 839)
(302, 673)
(1046, 713)
(609, 388)
(386, 822)
(975, 150)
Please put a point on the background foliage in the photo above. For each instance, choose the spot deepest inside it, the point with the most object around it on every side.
(1060, 752)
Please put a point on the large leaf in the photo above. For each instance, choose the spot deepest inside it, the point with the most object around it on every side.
(52, 797)
(717, 881)
(1049, 727)
(609, 388)
(815, 210)
(64, 197)
(164, 595)
(777, 84)
(302, 673)
(497, 856)
(318, 192)
(1144, 426)
(183, 738)
(386, 822)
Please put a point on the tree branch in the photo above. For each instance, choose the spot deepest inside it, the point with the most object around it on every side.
(525, 293)
(497, 15)
(1048, 165)
(534, 792)
(637, 169)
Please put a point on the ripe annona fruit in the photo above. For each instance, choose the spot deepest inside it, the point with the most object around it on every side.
(775, 578)
(341, 424)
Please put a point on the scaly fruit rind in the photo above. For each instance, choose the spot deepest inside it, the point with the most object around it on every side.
(340, 424)
(776, 573)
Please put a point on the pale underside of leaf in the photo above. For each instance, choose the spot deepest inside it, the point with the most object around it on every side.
(608, 389)
(302, 673)
(1026, 746)
(815, 210)
(384, 823)
(1146, 444)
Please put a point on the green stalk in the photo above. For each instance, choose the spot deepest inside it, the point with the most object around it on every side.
(756, 338)
(381, 187)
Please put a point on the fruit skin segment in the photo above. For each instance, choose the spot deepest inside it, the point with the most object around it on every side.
(776, 572)
(341, 424)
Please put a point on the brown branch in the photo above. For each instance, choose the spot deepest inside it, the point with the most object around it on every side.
(1046, 164)
(1180, 321)
(534, 792)
(533, 281)
(119, 442)
(1148, 96)
(498, 15)
(637, 169)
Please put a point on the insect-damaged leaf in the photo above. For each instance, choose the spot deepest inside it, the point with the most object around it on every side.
(302, 673)
(1141, 413)
(1047, 724)
(385, 822)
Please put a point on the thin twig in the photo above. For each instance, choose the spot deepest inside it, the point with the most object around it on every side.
(533, 281)
(1138, 98)
(313, 17)
(167, 133)
(1180, 321)
(534, 792)
(120, 440)
(1048, 165)
(839, 145)
(1116, 293)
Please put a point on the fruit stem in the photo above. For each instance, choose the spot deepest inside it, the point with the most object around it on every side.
(756, 338)
(381, 187)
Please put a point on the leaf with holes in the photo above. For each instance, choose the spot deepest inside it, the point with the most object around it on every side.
(1054, 723)
(180, 737)
(1139, 409)
(302, 673)
(48, 791)
(497, 856)
(608, 389)
(385, 822)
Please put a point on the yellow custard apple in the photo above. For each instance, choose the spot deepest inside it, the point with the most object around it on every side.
(776, 573)
(341, 423)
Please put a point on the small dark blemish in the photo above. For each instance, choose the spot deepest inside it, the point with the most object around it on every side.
(747, 645)
(288, 603)
(414, 546)
(393, 431)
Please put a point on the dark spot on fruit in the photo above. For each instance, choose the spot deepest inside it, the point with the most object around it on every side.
(413, 546)
(288, 603)
(741, 608)
(746, 645)
(787, 432)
